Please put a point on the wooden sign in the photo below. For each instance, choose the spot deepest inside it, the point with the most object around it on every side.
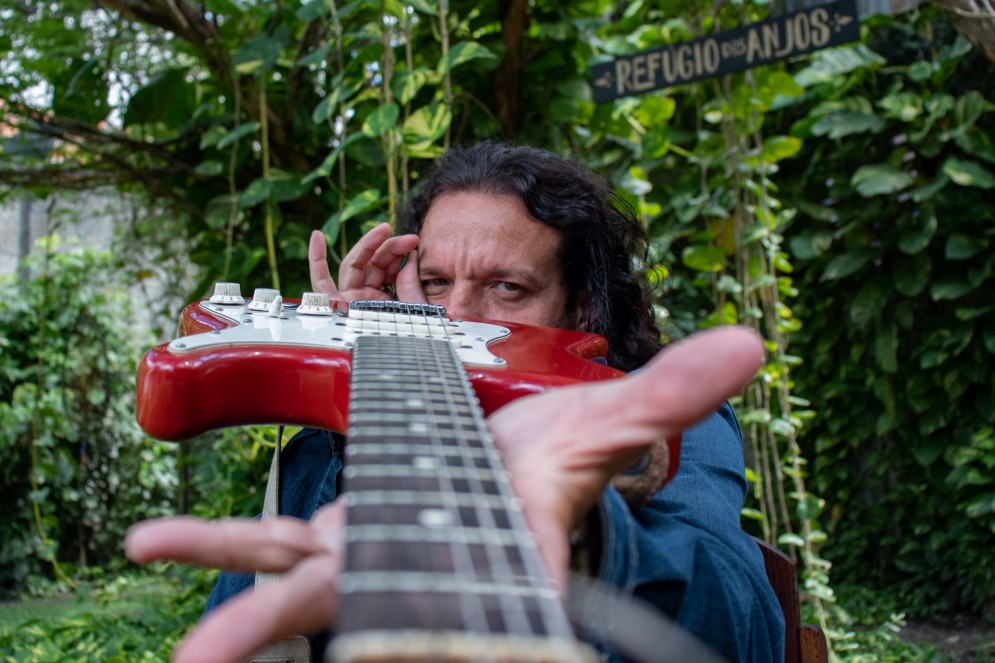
(744, 48)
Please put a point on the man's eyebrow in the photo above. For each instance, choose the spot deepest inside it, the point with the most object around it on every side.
(524, 276)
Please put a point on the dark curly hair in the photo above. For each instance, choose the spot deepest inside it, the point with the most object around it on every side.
(600, 234)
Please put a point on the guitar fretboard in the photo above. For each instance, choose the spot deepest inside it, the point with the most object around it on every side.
(440, 564)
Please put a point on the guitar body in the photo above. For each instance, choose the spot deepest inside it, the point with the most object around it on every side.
(183, 393)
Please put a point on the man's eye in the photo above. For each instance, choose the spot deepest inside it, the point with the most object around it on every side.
(433, 284)
(507, 286)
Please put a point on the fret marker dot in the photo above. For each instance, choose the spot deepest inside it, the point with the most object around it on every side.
(418, 427)
(415, 402)
(423, 463)
(434, 518)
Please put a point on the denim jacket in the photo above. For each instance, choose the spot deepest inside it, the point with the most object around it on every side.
(683, 552)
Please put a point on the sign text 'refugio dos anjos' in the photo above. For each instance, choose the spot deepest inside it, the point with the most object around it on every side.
(751, 46)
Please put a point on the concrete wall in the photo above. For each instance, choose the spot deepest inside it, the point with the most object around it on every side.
(86, 219)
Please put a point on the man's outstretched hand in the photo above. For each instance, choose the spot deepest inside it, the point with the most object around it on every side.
(561, 448)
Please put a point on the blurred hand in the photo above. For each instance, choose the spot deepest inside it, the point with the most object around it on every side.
(561, 448)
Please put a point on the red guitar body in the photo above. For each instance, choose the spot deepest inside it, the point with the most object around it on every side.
(182, 394)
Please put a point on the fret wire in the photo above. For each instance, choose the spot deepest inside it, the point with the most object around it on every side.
(391, 381)
(454, 535)
(407, 448)
(512, 612)
(472, 609)
(418, 581)
(554, 619)
(406, 497)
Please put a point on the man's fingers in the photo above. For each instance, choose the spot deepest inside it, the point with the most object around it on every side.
(317, 260)
(272, 545)
(691, 378)
(352, 271)
(408, 283)
(301, 601)
(681, 386)
(386, 262)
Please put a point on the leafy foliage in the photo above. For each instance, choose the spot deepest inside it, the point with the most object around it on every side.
(120, 619)
(894, 273)
(841, 204)
(77, 472)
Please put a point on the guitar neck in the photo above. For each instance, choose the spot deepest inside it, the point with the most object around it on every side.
(439, 561)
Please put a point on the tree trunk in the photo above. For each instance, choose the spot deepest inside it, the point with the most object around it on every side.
(509, 77)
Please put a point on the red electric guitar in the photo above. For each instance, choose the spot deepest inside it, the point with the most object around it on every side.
(440, 564)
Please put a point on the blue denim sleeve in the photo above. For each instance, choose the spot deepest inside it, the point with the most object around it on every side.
(685, 553)
(310, 465)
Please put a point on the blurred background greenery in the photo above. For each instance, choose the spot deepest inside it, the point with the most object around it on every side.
(839, 202)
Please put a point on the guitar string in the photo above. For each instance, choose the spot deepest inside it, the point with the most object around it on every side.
(472, 606)
(552, 614)
(497, 556)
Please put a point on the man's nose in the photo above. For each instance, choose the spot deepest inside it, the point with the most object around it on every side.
(463, 302)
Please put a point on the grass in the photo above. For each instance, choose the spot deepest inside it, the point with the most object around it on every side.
(131, 618)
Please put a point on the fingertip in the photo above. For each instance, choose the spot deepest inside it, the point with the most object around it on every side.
(136, 544)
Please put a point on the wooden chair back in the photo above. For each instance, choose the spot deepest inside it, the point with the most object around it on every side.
(803, 643)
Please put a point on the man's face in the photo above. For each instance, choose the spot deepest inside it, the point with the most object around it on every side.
(483, 256)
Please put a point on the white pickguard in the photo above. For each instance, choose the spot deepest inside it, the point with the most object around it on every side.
(339, 331)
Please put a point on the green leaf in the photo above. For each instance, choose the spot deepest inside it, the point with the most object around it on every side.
(808, 245)
(209, 168)
(704, 258)
(342, 92)
(982, 506)
(464, 52)
(260, 52)
(80, 90)
(653, 111)
(315, 57)
(977, 144)
(879, 179)
(285, 186)
(634, 181)
(407, 82)
(949, 289)
(656, 142)
(903, 106)
(220, 210)
(920, 71)
(381, 120)
(846, 264)
(314, 9)
(240, 131)
(425, 126)
(916, 239)
(968, 109)
(886, 348)
(423, 7)
(962, 247)
(781, 147)
(357, 205)
(167, 98)
(989, 340)
(847, 123)
(258, 191)
(213, 134)
(790, 539)
(911, 276)
(930, 189)
(968, 173)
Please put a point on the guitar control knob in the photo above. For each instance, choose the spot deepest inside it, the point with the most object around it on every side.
(227, 293)
(314, 303)
(263, 298)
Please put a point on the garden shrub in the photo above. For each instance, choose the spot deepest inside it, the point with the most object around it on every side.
(77, 471)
